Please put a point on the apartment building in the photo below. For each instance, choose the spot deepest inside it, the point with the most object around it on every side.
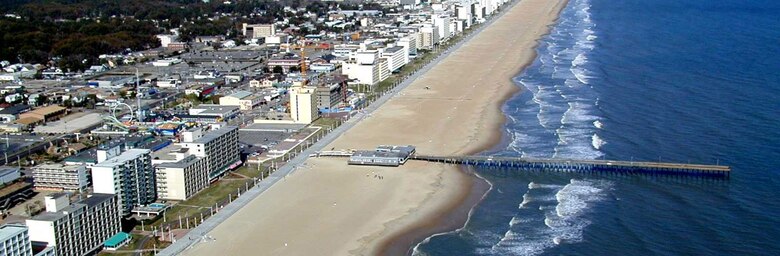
(182, 179)
(303, 105)
(396, 57)
(410, 44)
(219, 148)
(429, 35)
(367, 68)
(60, 177)
(76, 229)
(15, 241)
(258, 30)
(130, 176)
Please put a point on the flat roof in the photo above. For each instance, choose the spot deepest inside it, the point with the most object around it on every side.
(213, 134)
(117, 239)
(13, 110)
(75, 125)
(184, 163)
(48, 110)
(372, 153)
(240, 94)
(11, 230)
(128, 155)
(96, 199)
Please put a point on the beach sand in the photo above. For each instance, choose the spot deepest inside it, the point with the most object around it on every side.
(330, 208)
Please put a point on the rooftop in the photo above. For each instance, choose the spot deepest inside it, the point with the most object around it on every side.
(117, 239)
(184, 163)
(11, 230)
(96, 199)
(15, 109)
(212, 135)
(126, 156)
(240, 94)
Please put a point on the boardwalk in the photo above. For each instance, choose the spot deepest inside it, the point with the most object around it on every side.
(585, 166)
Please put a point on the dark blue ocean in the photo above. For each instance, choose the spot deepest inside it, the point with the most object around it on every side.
(677, 80)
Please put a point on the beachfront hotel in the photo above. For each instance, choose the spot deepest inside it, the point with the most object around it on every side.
(219, 147)
(75, 228)
(129, 175)
(182, 179)
(60, 177)
(15, 240)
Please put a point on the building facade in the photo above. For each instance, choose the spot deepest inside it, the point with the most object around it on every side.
(76, 229)
(60, 177)
(130, 176)
(243, 99)
(219, 148)
(15, 240)
(303, 105)
(396, 57)
(182, 179)
(258, 30)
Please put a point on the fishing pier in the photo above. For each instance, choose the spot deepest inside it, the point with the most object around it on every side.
(380, 157)
(584, 166)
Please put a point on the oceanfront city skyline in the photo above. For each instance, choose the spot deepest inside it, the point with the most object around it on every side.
(449, 127)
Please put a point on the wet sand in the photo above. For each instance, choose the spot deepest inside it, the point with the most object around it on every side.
(330, 208)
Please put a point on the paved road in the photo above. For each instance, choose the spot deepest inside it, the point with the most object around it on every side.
(200, 233)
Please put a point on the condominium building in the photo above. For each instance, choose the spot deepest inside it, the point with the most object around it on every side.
(303, 105)
(182, 179)
(60, 177)
(367, 68)
(410, 44)
(442, 23)
(129, 175)
(430, 36)
(76, 229)
(396, 57)
(219, 148)
(14, 240)
(258, 30)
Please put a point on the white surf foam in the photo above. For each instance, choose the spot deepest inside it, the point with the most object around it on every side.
(580, 60)
(597, 142)
(598, 124)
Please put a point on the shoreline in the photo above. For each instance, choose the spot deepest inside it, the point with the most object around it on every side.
(329, 207)
(458, 214)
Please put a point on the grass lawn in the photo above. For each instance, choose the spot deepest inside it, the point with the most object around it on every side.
(208, 197)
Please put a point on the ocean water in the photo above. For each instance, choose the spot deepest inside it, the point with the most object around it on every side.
(681, 81)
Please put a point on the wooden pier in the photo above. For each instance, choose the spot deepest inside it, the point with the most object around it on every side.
(585, 166)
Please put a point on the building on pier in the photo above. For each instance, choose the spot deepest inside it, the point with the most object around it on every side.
(383, 155)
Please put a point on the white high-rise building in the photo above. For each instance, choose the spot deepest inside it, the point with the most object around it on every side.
(130, 176)
(303, 105)
(182, 179)
(410, 44)
(442, 23)
(15, 241)
(60, 177)
(367, 68)
(219, 148)
(430, 36)
(76, 229)
(396, 57)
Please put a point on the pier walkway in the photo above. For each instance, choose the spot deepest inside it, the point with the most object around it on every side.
(584, 166)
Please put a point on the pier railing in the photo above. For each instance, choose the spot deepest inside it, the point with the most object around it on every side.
(584, 166)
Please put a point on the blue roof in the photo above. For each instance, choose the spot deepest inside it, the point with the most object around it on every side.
(117, 239)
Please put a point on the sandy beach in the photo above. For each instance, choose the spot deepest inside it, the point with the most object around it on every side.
(329, 208)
